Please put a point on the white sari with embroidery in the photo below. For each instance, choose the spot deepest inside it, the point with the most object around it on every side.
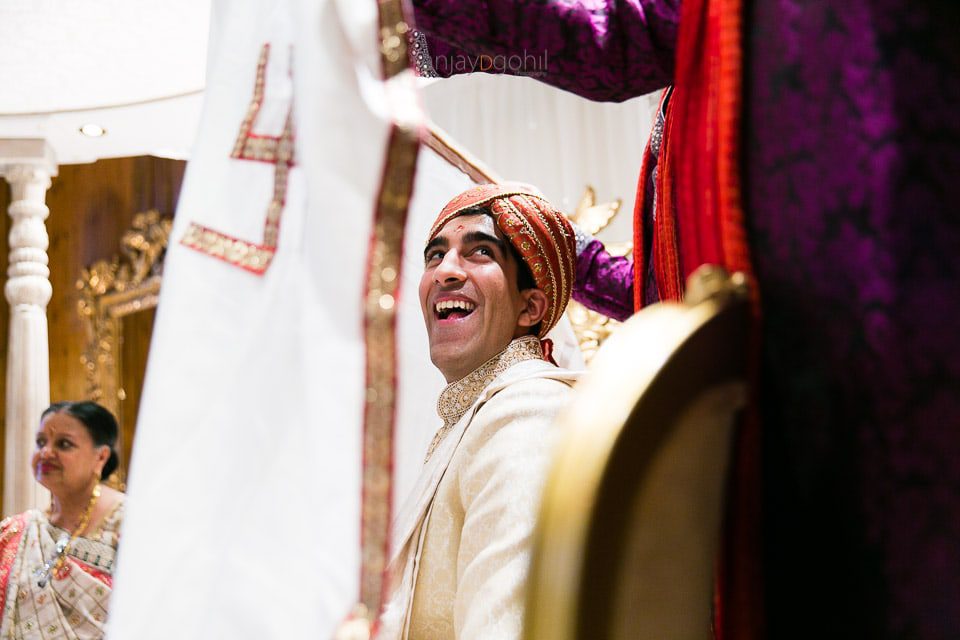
(72, 601)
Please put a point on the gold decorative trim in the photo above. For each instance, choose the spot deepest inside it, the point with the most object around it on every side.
(590, 327)
(250, 146)
(380, 319)
(110, 290)
(259, 150)
(593, 217)
(459, 396)
(246, 255)
(251, 256)
(393, 38)
(383, 276)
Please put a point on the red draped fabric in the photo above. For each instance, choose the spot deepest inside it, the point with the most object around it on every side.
(702, 200)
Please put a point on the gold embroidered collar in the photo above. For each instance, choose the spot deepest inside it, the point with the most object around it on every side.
(459, 396)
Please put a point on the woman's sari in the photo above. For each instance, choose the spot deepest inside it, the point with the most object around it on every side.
(43, 598)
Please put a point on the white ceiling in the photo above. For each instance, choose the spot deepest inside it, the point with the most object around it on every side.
(135, 68)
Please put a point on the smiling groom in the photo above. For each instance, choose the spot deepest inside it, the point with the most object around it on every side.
(498, 270)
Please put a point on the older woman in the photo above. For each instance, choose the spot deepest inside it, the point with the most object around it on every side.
(56, 567)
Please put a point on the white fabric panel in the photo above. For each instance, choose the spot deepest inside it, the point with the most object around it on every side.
(243, 518)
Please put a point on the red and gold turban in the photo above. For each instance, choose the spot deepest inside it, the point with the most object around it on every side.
(541, 235)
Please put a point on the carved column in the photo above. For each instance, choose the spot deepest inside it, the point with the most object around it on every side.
(28, 291)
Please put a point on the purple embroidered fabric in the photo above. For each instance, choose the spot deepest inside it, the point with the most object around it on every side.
(853, 210)
(852, 197)
(599, 49)
(605, 282)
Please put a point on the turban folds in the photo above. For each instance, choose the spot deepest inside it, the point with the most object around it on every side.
(540, 234)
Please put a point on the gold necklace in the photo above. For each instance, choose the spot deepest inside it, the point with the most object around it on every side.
(64, 543)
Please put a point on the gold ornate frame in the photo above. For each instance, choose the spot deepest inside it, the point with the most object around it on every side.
(110, 290)
(590, 327)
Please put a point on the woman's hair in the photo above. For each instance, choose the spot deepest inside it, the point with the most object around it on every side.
(100, 424)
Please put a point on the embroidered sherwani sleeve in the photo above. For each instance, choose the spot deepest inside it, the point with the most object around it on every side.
(500, 491)
(599, 49)
(604, 282)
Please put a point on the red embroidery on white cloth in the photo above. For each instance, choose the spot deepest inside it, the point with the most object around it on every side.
(254, 257)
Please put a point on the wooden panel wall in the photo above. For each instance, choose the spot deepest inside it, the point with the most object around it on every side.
(91, 206)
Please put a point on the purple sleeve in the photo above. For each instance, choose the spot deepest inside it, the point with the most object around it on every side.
(604, 282)
(609, 50)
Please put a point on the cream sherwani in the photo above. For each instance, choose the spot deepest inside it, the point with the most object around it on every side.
(463, 538)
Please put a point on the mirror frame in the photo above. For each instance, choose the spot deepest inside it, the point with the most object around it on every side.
(109, 291)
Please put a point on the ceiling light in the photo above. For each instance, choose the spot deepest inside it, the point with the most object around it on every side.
(92, 130)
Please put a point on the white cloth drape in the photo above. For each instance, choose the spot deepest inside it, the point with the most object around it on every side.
(245, 479)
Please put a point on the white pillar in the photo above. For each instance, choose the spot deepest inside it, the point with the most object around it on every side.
(28, 166)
